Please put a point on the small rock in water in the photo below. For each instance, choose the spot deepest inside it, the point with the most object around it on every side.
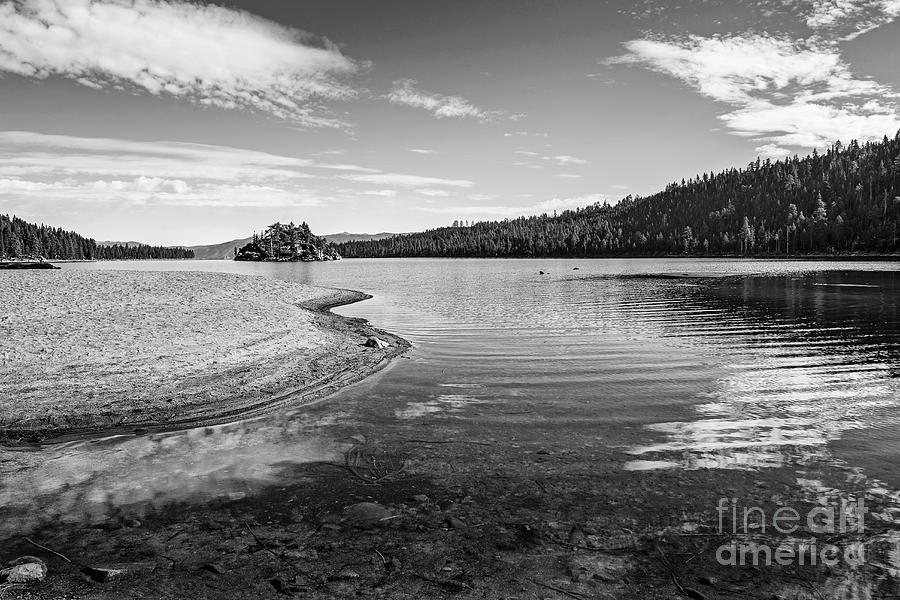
(420, 498)
(346, 574)
(132, 523)
(367, 515)
(215, 567)
(374, 342)
(576, 536)
(24, 569)
(689, 527)
(708, 580)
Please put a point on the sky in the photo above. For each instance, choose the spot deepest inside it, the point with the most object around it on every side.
(193, 123)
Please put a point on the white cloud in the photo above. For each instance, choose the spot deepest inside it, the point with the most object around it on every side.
(403, 180)
(433, 193)
(421, 151)
(562, 160)
(481, 197)
(565, 160)
(782, 92)
(44, 168)
(850, 18)
(208, 54)
(539, 134)
(154, 192)
(547, 206)
(773, 151)
(809, 125)
(59, 156)
(404, 92)
(569, 176)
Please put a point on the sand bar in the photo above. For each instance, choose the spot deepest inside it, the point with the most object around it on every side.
(84, 351)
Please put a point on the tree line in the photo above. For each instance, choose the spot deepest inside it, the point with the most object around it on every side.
(20, 239)
(844, 200)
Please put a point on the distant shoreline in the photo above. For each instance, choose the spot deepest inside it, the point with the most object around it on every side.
(803, 257)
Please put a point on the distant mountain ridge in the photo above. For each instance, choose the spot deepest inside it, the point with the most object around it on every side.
(225, 250)
(129, 244)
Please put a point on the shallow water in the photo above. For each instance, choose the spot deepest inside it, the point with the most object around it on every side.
(743, 365)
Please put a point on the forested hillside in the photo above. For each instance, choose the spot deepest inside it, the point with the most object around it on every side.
(845, 200)
(20, 239)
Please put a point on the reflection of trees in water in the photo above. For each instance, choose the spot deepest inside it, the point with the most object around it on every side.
(806, 358)
(93, 481)
(861, 308)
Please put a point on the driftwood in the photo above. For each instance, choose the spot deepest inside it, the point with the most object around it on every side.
(372, 465)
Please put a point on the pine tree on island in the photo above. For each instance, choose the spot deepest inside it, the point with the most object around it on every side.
(287, 243)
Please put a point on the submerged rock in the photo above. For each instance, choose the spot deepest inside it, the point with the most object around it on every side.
(366, 515)
(606, 568)
(375, 342)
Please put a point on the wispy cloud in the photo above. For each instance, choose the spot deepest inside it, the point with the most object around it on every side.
(66, 169)
(405, 92)
(564, 160)
(208, 54)
(414, 181)
(433, 193)
(421, 151)
(547, 206)
(539, 134)
(561, 160)
(783, 92)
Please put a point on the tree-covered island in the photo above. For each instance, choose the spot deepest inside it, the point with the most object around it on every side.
(287, 243)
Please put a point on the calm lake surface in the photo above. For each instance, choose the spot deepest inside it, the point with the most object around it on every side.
(742, 365)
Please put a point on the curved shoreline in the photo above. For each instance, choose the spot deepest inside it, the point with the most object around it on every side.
(358, 368)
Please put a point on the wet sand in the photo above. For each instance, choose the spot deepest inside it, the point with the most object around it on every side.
(91, 351)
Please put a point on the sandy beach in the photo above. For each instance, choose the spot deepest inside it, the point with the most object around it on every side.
(102, 350)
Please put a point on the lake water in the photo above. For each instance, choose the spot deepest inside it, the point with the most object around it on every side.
(741, 365)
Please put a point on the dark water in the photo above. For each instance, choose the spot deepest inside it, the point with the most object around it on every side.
(743, 365)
